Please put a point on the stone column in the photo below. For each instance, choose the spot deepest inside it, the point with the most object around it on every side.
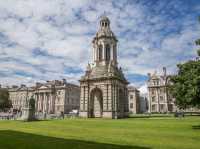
(116, 103)
(96, 52)
(47, 101)
(36, 102)
(113, 99)
(43, 103)
(149, 102)
(111, 52)
(40, 96)
(40, 103)
(103, 51)
(53, 102)
(158, 98)
(93, 54)
(82, 99)
(166, 100)
(87, 97)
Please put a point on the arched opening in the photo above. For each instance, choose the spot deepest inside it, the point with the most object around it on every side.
(96, 103)
(107, 52)
(100, 52)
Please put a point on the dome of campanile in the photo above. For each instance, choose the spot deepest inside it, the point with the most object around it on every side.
(104, 30)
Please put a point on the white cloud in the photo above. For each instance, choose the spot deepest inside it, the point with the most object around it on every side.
(143, 89)
(62, 30)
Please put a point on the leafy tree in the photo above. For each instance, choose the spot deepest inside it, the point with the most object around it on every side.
(4, 99)
(198, 43)
(186, 84)
(198, 52)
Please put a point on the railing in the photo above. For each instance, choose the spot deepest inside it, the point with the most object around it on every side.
(38, 116)
(7, 116)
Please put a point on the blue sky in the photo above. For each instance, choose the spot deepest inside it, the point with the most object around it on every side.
(51, 39)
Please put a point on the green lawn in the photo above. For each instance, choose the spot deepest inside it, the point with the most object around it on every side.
(132, 133)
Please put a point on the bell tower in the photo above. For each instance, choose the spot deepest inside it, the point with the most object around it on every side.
(104, 44)
(103, 86)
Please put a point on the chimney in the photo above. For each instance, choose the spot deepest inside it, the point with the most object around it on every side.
(149, 75)
(14, 86)
(23, 85)
(64, 81)
(38, 84)
(164, 71)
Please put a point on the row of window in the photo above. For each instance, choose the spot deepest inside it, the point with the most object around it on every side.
(153, 91)
(161, 107)
(100, 52)
(161, 99)
(18, 102)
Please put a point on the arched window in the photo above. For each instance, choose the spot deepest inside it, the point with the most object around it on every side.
(100, 52)
(107, 52)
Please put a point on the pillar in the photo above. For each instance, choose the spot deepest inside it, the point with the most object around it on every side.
(103, 52)
(111, 52)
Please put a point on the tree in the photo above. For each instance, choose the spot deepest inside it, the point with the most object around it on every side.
(198, 43)
(4, 99)
(186, 84)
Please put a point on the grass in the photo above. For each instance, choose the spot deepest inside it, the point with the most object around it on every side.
(132, 133)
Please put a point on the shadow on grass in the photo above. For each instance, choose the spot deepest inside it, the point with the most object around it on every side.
(196, 127)
(19, 140)
(33, 121)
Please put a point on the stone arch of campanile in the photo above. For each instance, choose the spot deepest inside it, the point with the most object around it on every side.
(96, 103)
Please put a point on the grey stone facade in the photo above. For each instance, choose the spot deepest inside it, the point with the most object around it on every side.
(51, 97)
(160, 99)
(144, 105)
(134, 100)
(104, 87)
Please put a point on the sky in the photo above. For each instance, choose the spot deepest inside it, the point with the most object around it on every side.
(44, 40)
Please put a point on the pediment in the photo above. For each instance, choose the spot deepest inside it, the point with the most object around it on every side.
(22, 88)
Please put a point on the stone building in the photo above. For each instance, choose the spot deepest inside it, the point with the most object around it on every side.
(19, 95)
(104, 87)
(51, 97)
(134, 100)
(144, 105)
(160, 100)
